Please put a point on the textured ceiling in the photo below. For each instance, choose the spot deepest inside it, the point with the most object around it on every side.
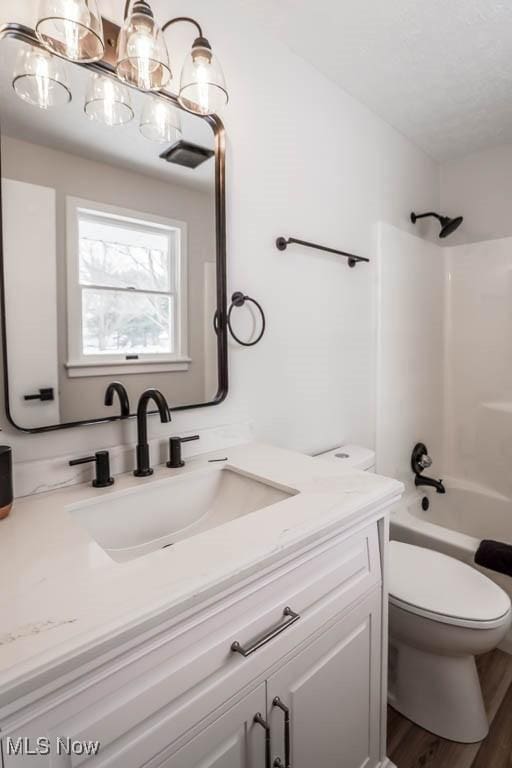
(439, 71)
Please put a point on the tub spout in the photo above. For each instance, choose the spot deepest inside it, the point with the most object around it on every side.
(430, 482)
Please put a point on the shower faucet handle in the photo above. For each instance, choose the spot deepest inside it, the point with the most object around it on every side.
(425, 462)
(420, 460)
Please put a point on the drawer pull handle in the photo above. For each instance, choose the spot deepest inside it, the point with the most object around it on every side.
(290, 617)
(278, 763)
(258, 719)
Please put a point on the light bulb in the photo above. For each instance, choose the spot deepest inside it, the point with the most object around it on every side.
(141, 46)
(74, 26)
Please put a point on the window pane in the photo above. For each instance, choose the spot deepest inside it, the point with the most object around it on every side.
(123, 254)
(124, 323)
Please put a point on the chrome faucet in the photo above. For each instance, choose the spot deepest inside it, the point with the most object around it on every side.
(143, 465)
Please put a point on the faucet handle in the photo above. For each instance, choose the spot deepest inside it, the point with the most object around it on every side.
(175, 450)
(425, 461)
(102, 461)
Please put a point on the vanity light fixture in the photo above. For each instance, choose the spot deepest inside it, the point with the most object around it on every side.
(74, 30)
(39, 80)
(108, 101)
(71, 28)
(160, 121)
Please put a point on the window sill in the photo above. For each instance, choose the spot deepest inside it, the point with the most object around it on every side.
(83, 369)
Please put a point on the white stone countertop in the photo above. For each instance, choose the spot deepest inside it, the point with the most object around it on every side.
(62, 596)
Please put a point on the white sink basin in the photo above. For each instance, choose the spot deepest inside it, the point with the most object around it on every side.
(136, 521)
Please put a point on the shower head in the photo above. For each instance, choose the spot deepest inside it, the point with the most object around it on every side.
(448, 225)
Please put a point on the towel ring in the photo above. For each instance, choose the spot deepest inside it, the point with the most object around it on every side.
(238, 299)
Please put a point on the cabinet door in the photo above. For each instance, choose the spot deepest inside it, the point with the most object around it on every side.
(234, 740)
(331, 690)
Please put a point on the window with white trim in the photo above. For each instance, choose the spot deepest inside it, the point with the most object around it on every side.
(126, 291)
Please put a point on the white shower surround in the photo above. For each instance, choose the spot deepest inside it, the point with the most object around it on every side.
(478, 387)
(444, 368)
(445, 378)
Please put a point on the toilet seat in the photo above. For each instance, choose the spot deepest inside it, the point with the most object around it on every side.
(441, 588)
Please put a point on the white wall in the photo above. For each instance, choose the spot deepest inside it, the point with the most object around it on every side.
(304, 159)
(479, 187)
(411, 352)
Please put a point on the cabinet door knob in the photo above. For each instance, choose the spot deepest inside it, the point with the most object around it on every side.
(259, 720)
(278, 763)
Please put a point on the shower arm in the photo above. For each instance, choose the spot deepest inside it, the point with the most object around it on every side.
(425, 215)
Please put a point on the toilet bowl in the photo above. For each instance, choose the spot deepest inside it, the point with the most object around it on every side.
(442, 613)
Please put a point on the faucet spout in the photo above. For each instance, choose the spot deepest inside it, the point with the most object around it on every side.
(143, 462)
(420, 480)
(117, 388)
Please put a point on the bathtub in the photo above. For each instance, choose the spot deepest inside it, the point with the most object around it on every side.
(455, 523)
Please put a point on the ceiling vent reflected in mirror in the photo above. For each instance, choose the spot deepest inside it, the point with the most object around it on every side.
(187, 154)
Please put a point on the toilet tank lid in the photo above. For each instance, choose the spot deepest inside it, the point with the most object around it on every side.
(351, 456)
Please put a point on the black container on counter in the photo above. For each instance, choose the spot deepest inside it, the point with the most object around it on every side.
(5, 480)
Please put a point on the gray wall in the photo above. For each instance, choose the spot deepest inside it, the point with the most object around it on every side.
(72, 175)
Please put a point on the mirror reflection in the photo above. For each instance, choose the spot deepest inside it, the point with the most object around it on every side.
(109, 245)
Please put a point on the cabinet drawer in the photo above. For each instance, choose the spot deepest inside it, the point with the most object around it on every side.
(145, 705)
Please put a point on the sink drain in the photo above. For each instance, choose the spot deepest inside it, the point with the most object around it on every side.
(166, 546)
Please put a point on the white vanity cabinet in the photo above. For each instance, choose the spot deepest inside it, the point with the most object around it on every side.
(322, 708)
(183, 698)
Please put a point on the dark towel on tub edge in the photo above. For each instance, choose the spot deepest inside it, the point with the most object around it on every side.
(495, 555)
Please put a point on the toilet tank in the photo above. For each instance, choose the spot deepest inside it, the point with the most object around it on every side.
(354, 456)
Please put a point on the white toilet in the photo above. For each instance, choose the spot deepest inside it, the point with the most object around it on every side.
(442, 613)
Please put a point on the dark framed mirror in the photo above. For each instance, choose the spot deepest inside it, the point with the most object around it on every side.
(113, 255)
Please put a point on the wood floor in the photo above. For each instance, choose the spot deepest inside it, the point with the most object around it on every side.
(409, 746)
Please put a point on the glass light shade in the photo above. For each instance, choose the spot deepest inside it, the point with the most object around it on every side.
(142, 56)
(202, 88)
(71, 28)
(160, 121)
(39, 79)
(108, 102)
